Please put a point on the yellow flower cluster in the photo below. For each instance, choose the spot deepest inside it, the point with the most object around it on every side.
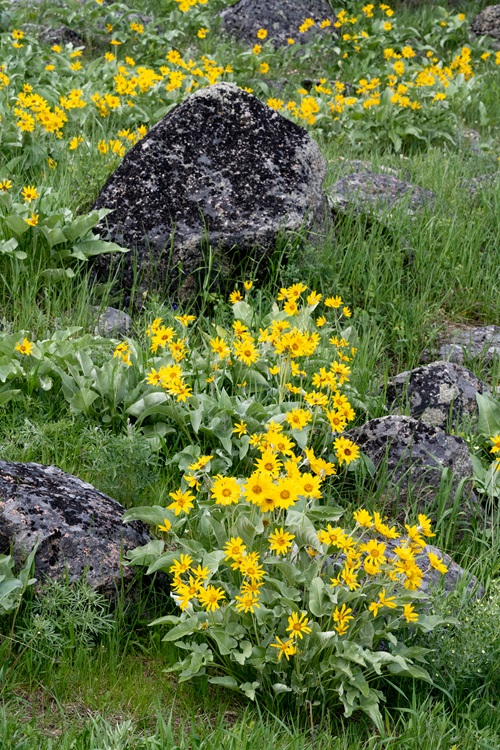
(186, 5)
(365, 562)
(32, 108)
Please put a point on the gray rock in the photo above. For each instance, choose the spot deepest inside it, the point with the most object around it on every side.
(62, 35)
(475, 185)
(441, 394)
(111, 322)
(280, 18)
(416, 457)
(481, 342)
(78, 528)
(349, 166)
(487, 23)
(376, 195)
(450, 581)
(222, 169)
(432, 579)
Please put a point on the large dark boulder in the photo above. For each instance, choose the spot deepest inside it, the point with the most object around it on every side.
(280, 18)
(415, 456)
(78, 529)
(441, 394)
(221, 169)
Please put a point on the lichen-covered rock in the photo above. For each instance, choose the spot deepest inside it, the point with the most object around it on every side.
(441, 394)
(481, 342)
(222, 169)
(376, 194)
(280, 18)
(416, 457)
(487, 23)
(78, 528)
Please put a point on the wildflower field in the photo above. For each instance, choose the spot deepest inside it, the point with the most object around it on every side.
(280, 601)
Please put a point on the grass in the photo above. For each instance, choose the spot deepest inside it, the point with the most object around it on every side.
(408, 280)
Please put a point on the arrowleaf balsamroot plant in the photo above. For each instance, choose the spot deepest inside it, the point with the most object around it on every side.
(259, 569)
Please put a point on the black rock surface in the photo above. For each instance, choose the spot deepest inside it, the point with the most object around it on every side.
(416, 456)
(280, 18)
(222, 169)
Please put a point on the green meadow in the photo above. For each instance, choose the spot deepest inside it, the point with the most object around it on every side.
(403, 87)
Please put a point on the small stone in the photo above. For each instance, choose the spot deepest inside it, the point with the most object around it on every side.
(280, 18)
(441, 394)
(112, 322)
(79, 530)
(416, 456)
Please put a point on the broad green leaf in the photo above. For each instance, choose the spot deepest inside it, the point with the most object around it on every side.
(83, 224)
(18, 225)
(58, 274)
(163, 562)
(53, 236)
(7, 247)
(280, 687)
(146, 554)
(90, 248)
(147, 402)
(150, 514)
(6, 396)
(243, 311)
(249, 688)
(225, 643)
(179, 631)
(83, 400)
(196, 418)
(227, 682)
(212, 560)
(320, 603)
(489, 415)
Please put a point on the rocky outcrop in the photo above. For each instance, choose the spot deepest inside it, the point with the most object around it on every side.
(280, 18)
(441, 394)
(77, 528)
(415, 456)
(221, 175)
